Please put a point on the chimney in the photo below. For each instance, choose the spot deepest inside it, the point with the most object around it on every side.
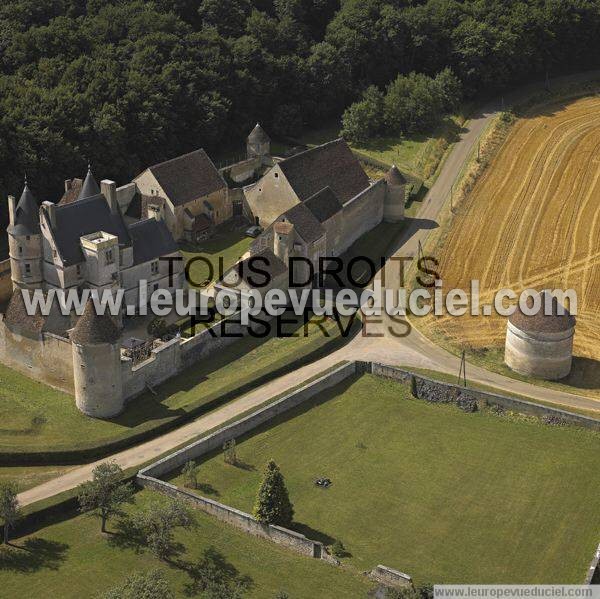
(109, 191)
(50, 209)
(12, 206)
(68, 184)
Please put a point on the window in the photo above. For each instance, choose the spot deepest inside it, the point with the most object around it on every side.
(155, 287)
(79, 270)
(20, 250)
(109, 257)
(28, 269)
(154, 267)
(28, 237)
(276, 175)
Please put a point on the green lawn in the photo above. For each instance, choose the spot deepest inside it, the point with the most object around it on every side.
(30, 476)
(428, 489)
(72, 559)
(228, 246)
(35, 417)
(417, 154)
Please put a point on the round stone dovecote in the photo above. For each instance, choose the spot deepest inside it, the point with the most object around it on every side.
(541, 345)
(97, 364)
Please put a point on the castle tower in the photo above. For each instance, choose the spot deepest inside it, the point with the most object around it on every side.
(97, 364)
(258, 143)
(393, 206)
(25, 241)
(90, 188)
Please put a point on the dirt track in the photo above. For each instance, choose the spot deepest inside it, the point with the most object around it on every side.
(533, 220)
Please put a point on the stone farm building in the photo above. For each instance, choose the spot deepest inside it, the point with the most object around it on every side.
(103, 237)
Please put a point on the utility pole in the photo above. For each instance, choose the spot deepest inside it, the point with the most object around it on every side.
(462, 373)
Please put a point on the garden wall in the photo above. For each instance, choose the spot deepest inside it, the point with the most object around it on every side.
(148, 477)
(441, 392)
(282, 536)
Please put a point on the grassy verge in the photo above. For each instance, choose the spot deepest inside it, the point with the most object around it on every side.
(452, 378)
(39, 419)
(72, 559)
(492, 497)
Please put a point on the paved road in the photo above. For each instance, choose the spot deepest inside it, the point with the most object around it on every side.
(413, 350)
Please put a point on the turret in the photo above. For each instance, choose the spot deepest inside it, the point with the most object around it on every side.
(258, 144)
(25, 241)
(90, 188)
(283, 240)
(393, 206)
(97, 364)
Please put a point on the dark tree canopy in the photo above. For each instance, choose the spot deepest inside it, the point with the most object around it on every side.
(127, 83)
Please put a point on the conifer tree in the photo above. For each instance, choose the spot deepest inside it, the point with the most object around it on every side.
(273, 504)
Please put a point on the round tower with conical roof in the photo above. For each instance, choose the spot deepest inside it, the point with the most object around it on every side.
(97, 364)
(393, 206)
(25, 241)
(90, 188)
(258, 144)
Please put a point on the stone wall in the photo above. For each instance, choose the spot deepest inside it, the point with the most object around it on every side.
(440, 392)
(390, 577)
(361, 214)
(5, 282)
(243, 170)
(240, 427)
(282, 536)
(593, 575)
(47, 357)
(148, 477)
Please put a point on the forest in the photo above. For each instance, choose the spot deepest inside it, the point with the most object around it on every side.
(123, 84)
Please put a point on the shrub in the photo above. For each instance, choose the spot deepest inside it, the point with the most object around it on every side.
(338, 549)
(364, 119)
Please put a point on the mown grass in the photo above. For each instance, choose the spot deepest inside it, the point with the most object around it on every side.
(35, 417)
(222, 251)
(72, 559)
(427, 489)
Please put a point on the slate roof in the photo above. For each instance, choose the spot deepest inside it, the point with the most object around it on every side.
(324, 204)
(258, 135)
(395, 177)
(82, 218)
(331, 165)
(269, 262)
(542, 322)
(93, 328)
(27, 215)
(89, 188)
(134, 210)
(151, 239)
(17, 319)
(305, 222)
(188, 177)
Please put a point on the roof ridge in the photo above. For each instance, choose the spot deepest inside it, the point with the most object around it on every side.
(179, 158)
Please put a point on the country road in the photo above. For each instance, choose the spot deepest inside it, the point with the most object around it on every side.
(413, 350)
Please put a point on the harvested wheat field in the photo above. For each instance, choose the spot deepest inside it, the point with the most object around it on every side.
(532, 220)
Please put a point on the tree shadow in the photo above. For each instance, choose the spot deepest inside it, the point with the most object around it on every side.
(32, 555)
(207, 489)
(127, 535)
(244, 465)
(214, 575)
(313, 534)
